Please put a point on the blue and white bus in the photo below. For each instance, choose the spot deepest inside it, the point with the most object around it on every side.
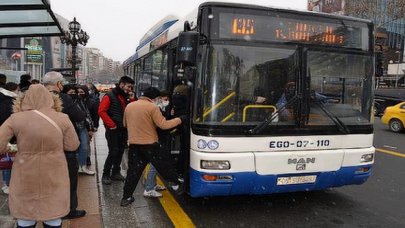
(280, 101)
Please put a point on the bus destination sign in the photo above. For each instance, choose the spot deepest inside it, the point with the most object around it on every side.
(282, 29)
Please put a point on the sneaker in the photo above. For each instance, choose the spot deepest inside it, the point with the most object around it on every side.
(106, 180)
(5, 189)
(178, 189)
(175, 187)
(127, 201)
(117, 177)
(152, 193)
(159, 188)
(86, 171)
(80, 170)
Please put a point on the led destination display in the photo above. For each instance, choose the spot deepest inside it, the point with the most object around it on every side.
(282, 29)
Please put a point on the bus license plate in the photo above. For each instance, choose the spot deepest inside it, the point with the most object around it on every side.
(296, 180)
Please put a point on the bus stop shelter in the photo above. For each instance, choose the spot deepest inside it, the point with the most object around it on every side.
(27, 18)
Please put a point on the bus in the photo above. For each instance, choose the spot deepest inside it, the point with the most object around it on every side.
(279, 100)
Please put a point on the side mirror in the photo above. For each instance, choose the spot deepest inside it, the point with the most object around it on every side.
(187, 45)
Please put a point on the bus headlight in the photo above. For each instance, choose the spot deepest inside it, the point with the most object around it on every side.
(218, 165)
(201, 144)
(213, 144)
(367, 158)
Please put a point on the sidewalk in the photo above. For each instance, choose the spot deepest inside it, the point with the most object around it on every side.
(144, 212)
(102, 202)
(88, 198)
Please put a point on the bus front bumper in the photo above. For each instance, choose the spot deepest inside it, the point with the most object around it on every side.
(252, 183)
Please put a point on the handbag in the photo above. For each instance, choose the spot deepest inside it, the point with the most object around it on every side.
(6, 161)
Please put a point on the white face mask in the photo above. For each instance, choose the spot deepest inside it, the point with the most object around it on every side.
(165, 104)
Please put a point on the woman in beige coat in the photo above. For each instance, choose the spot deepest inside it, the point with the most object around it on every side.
(39, 188)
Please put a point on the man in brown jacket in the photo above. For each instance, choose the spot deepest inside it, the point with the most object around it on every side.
(141, 118)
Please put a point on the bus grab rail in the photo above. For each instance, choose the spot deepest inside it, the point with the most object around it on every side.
(228, 117)
(219, 104)
(256, 106)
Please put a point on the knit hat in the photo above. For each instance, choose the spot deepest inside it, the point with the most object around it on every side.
(151, 93)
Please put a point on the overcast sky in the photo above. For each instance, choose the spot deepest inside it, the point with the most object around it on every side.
(116, 26)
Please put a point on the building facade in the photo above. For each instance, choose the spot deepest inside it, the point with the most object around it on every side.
(390, 31)
(38, 55)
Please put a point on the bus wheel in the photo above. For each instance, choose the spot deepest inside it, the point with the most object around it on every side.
(396, 125)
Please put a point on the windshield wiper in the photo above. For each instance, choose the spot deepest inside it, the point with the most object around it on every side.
(271, 117)
(339, 124)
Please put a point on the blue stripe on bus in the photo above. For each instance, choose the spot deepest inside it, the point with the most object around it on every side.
(251, 183)
(156, 33)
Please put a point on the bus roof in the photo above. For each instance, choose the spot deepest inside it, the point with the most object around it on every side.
(172, 26)
(239, 4)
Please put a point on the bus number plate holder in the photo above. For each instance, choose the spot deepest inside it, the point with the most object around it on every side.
(296, 180)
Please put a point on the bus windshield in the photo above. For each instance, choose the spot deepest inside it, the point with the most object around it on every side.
(341, 83)
(244, 85)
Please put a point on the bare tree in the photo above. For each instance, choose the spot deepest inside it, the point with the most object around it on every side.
(375, 10)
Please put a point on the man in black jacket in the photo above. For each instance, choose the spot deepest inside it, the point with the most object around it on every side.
(54, 83)
(111, 111)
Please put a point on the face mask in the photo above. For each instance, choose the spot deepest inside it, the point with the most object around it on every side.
(165, 104)
(73, 96)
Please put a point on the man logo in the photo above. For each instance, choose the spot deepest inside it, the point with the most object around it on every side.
(301, 166)
(301, 163)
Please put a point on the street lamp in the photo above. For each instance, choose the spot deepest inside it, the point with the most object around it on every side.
(397, 76)
(73, 37)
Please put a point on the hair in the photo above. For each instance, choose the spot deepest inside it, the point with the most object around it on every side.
(11, 86)
(151, 92)
(34, 81)
(68, 87)
(3, 80)
(126, 80)
(25, 77)
(52, 78)
(181, 89)
(85, 89)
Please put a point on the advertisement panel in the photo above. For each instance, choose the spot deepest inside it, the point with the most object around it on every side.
(34, 50)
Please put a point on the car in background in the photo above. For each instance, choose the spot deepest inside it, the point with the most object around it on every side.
(394, 117)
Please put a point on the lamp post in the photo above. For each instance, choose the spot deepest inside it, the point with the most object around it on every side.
(73, 37)
(397, 76)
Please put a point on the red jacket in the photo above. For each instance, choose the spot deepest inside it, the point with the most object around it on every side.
(105, 105)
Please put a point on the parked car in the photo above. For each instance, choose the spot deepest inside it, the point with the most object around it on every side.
(394, 117)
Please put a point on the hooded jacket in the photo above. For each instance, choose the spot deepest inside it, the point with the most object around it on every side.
(39, 187)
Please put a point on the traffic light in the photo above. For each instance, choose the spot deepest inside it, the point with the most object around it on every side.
(379, 64)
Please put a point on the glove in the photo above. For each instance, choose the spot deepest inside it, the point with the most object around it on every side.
(184, 118)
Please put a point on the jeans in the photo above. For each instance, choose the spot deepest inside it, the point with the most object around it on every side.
(151, 178)
(73, 167)
(139, 156)
(116, 141)
(6, 176)
(84, 148)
